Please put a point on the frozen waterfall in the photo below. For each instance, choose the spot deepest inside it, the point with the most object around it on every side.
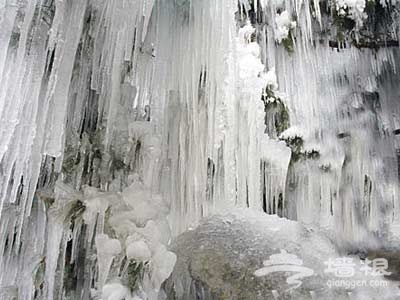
(125, 123)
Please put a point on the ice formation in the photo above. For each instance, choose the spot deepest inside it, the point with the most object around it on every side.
(125, 122)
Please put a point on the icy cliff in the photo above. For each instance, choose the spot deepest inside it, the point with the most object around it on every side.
(123, 123)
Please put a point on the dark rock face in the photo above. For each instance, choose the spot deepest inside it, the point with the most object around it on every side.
(218, 259)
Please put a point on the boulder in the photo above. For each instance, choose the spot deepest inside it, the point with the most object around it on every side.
(246, 255)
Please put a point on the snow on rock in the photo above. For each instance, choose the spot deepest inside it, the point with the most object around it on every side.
(226, 252)
(353, 9)
(283, 24)
(271, 80)
(293, 131)
(249, 53)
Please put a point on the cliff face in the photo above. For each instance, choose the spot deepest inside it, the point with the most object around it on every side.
(124, 123)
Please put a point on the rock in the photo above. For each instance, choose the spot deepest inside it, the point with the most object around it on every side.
(218, 260)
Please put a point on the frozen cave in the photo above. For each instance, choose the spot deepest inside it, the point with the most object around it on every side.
(199, 149)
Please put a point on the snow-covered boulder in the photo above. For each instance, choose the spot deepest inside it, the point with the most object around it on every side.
(250, 255)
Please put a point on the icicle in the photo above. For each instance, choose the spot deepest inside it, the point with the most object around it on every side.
(61, 77)
(107, 249)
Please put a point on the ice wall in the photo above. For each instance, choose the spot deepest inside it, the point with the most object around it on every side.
(123, 123)
(343, 107)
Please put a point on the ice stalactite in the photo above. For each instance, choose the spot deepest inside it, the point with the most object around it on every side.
(348, 134)
(343, 171)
